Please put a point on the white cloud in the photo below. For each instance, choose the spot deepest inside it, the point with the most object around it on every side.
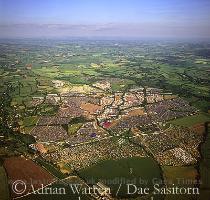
(109, 29)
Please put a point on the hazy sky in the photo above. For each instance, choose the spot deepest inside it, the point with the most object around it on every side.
(116, 18)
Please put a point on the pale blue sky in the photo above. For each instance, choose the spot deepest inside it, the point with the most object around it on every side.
(131, 18)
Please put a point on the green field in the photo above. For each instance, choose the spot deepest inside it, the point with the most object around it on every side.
(30, 121)
(129, 170)
(73, 128)
(50, 168)
(191, 120)
(204, 168)
(4, 190)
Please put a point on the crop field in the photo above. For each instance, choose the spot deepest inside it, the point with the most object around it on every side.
(19, 168)
(180, 176)
(4, 189)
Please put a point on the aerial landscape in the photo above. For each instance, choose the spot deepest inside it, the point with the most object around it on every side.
(94, 110)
